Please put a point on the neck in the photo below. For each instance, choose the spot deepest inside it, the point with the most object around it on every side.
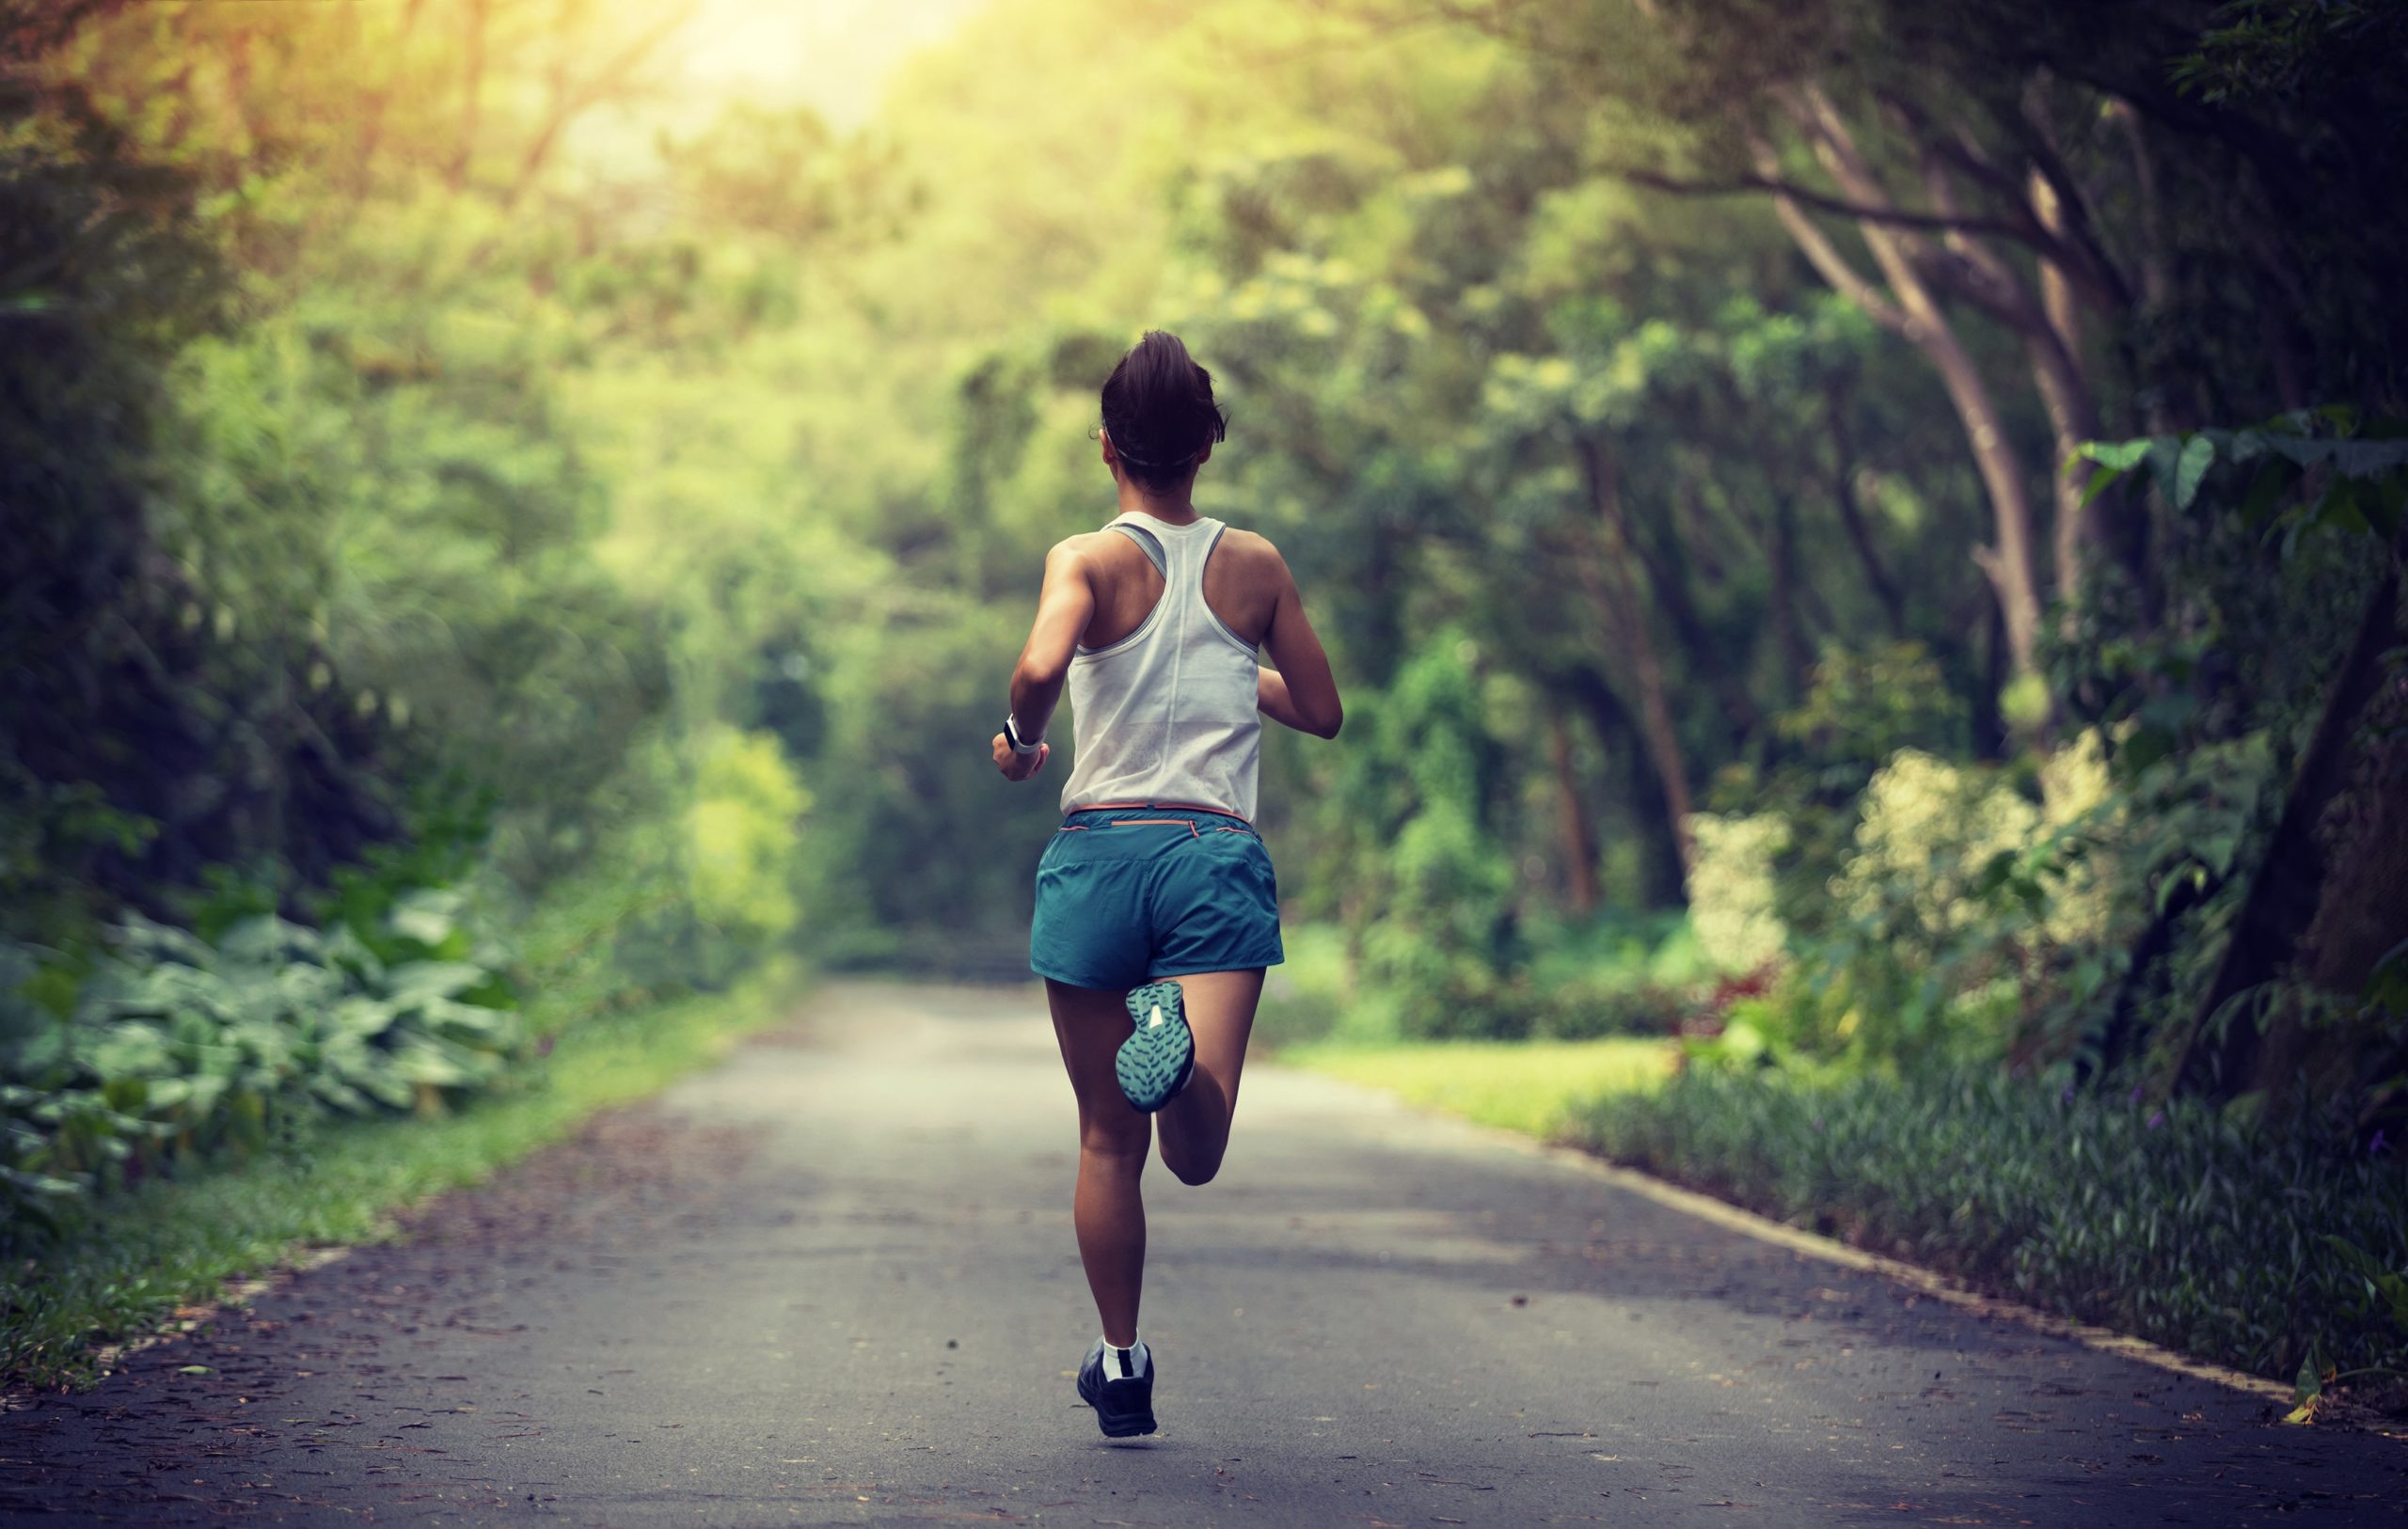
(1176, 506)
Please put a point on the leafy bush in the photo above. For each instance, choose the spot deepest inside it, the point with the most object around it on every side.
(2179, 1223)
(1576, 1011)
(1305, 997)
(1730, 889)
(173, 1048)
(1433, 906)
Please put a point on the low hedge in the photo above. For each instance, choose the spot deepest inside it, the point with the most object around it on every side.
(117, 1266)
(2261, 1246)
(174, 1050)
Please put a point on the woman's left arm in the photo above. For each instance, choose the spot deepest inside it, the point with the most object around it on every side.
(1063, 608)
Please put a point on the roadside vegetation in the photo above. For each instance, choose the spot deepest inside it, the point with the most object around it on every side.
(1535, 1087)
(1861, 540)
(113, 1270)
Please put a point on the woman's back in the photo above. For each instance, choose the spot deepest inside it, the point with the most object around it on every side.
(1162, 686)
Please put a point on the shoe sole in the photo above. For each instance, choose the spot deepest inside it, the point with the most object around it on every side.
(1117, 1425)
(1156, 1060)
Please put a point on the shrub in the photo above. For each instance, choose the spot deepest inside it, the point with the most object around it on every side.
(173, 1048)
(2179, 1223)
(1731, 889)
(1578, 1011)
(1304, 996)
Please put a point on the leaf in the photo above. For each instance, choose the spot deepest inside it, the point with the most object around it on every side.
(2164, 462)
(2387, 984)
(2369, 459)
(2145, 747)
(2190, 469)
(267, 938)
(2388, 506)
(2122, 456)
(424, 1061)
(43, 1184)
(2266, 490)
(427, 915)
(416, 982)
(194, 1369)
(2098, 481)
(2338, 509)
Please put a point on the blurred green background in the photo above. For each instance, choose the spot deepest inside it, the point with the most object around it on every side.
(1861, 537)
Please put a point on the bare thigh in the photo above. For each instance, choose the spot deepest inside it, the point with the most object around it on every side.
(1089, 1024)
(1196, 1126)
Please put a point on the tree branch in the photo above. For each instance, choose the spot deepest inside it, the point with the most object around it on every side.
(1827, 259)
(1823, 202)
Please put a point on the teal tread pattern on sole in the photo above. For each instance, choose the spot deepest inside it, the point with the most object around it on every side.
(1156, 1059)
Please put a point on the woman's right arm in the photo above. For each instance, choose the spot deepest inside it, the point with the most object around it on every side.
(1301, 693)
(1062, 606)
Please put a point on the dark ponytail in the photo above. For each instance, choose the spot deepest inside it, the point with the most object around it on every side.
(1159, 411)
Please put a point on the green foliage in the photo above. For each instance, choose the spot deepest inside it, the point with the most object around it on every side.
(1862, 705)
(2360, 487)
(1588, 1009)
(1305, 997)
(745, 840)
(118, 1266)
(2276, 48)
(1414, 802)
(2176, 1222)
(176, 1050)
(1732, 903)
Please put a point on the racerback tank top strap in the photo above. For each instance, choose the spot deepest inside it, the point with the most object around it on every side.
(1167, 714)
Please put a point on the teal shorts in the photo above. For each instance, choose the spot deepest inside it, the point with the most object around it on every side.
(1125, 896)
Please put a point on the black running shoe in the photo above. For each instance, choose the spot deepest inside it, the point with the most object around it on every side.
(1123, 1409)
(1156, 1059)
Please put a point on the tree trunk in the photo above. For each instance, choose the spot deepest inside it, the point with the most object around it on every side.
(1991, 737)
(1644, 798)
(2286, 889)
(1666, 583)
(1788, 634)
(1572, 816)
(1612, 590)
(1860, 535)
(1916, 315)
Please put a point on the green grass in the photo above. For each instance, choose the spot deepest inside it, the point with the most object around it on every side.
(2254, 1244)
(140, 1255)
(1525, 1086)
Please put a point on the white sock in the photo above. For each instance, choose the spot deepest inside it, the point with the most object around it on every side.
(1123, 1364)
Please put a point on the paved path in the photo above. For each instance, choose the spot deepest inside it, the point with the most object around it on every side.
(832, 1281)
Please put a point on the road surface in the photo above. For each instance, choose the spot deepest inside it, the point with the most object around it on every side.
(831, 1280)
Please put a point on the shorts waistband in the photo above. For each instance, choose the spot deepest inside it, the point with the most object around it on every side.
(1197, 819)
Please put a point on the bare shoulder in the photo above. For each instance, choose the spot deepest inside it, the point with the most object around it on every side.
(1253, 556)
(1074, 554)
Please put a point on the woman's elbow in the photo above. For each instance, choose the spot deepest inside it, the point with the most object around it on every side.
(1036, 675)
(1327, 725)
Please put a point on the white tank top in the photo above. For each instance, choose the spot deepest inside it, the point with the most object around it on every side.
(1167, 714)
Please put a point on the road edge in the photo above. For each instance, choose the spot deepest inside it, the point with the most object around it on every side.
(765, 999)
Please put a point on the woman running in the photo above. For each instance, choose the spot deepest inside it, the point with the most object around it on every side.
(1156, 910)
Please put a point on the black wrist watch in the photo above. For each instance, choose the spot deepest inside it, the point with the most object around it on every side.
(1011, 736)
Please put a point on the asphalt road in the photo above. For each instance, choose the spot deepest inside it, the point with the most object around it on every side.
(832, 1281)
